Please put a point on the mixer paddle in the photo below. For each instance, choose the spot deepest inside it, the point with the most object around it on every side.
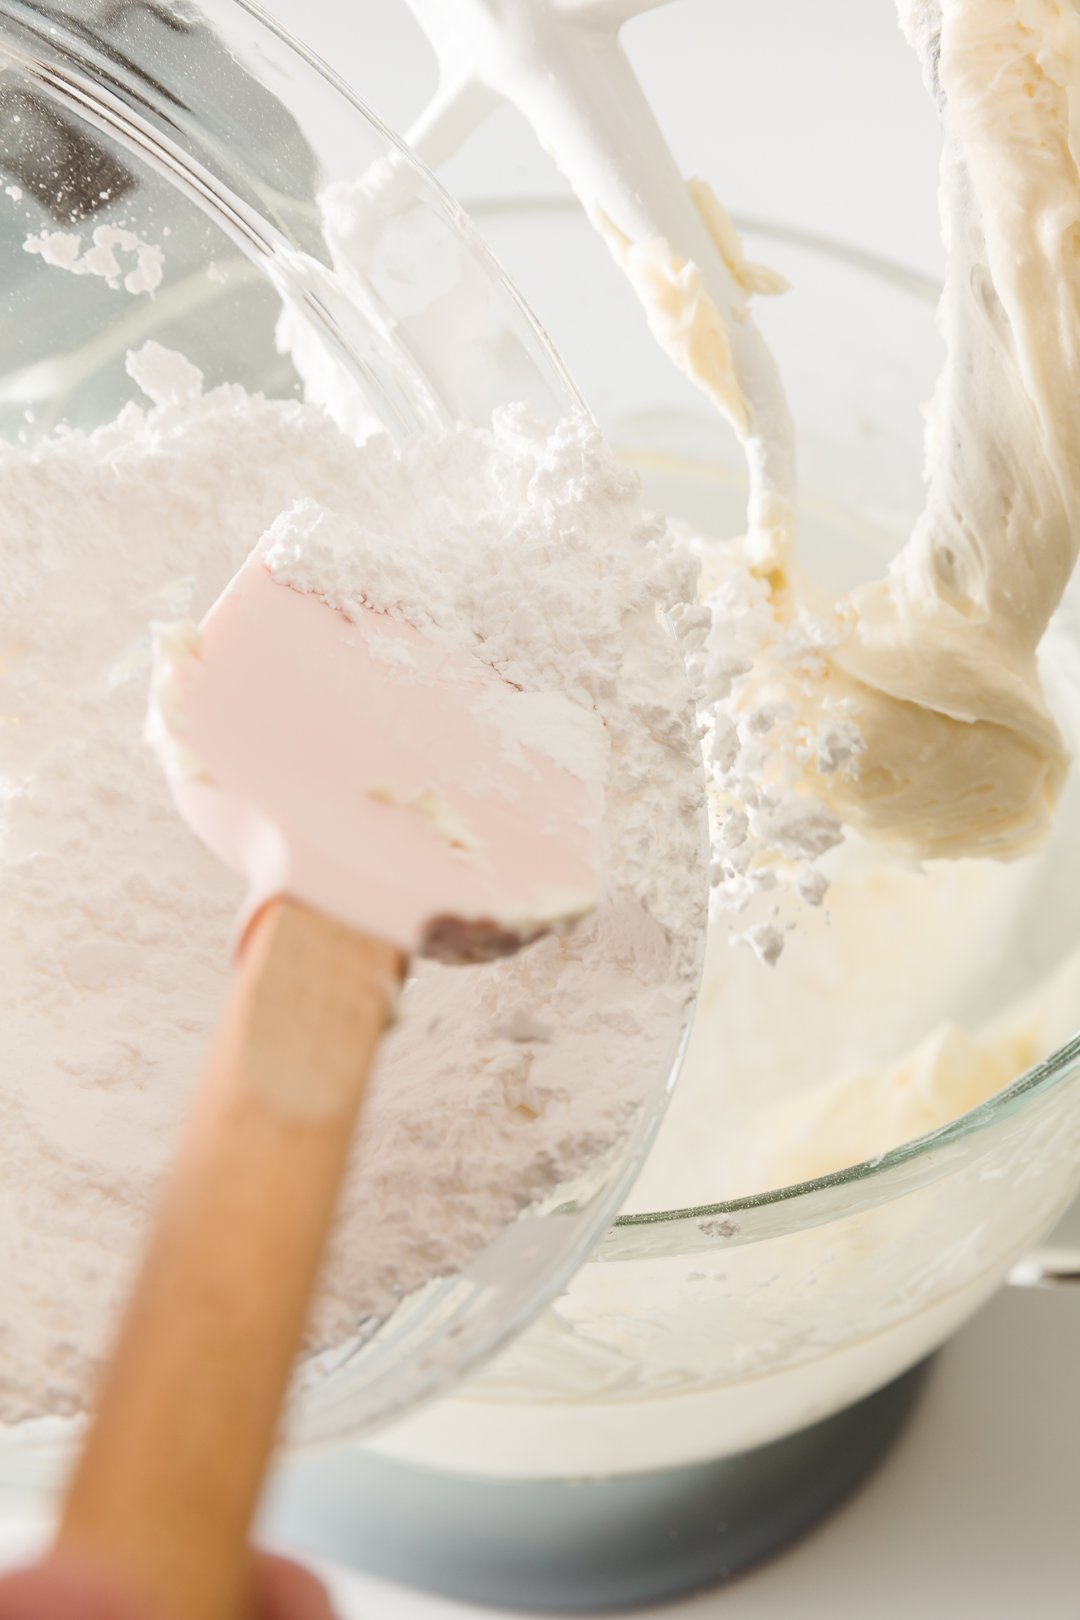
(563, 67)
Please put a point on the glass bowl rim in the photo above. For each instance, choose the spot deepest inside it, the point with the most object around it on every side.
(1034, 1082)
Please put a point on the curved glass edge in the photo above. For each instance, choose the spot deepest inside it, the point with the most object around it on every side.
(453, 207)
(110, 93)
(910, 281)
(1040, 1080)
(349, 1402)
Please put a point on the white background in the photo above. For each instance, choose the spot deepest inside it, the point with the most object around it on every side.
(812, 111)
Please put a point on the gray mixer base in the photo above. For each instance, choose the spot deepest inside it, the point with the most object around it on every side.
(562, 1547)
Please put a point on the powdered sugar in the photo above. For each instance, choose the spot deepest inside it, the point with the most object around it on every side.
(448, 536)
(64, 251)
(500, 1083)
(759, 667)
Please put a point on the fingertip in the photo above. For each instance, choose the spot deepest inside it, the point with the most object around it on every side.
(288, 1591)
(66, 1589)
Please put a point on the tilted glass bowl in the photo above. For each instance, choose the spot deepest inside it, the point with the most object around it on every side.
(206, 128)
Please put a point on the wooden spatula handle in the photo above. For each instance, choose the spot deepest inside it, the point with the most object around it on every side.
(187, 1417)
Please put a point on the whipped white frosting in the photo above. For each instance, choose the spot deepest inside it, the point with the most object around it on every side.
(936, 664)
(962, 753)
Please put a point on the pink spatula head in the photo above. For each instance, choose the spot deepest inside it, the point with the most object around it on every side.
(378, 773)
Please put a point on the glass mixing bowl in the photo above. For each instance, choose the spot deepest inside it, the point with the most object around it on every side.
(205, 130)
(702, 1332)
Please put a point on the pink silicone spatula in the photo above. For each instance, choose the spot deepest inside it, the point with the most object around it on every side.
(384, 793)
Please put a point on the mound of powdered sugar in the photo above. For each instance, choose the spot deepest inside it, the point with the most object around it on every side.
(139, 272)
(770, 728)
(499, 1083)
